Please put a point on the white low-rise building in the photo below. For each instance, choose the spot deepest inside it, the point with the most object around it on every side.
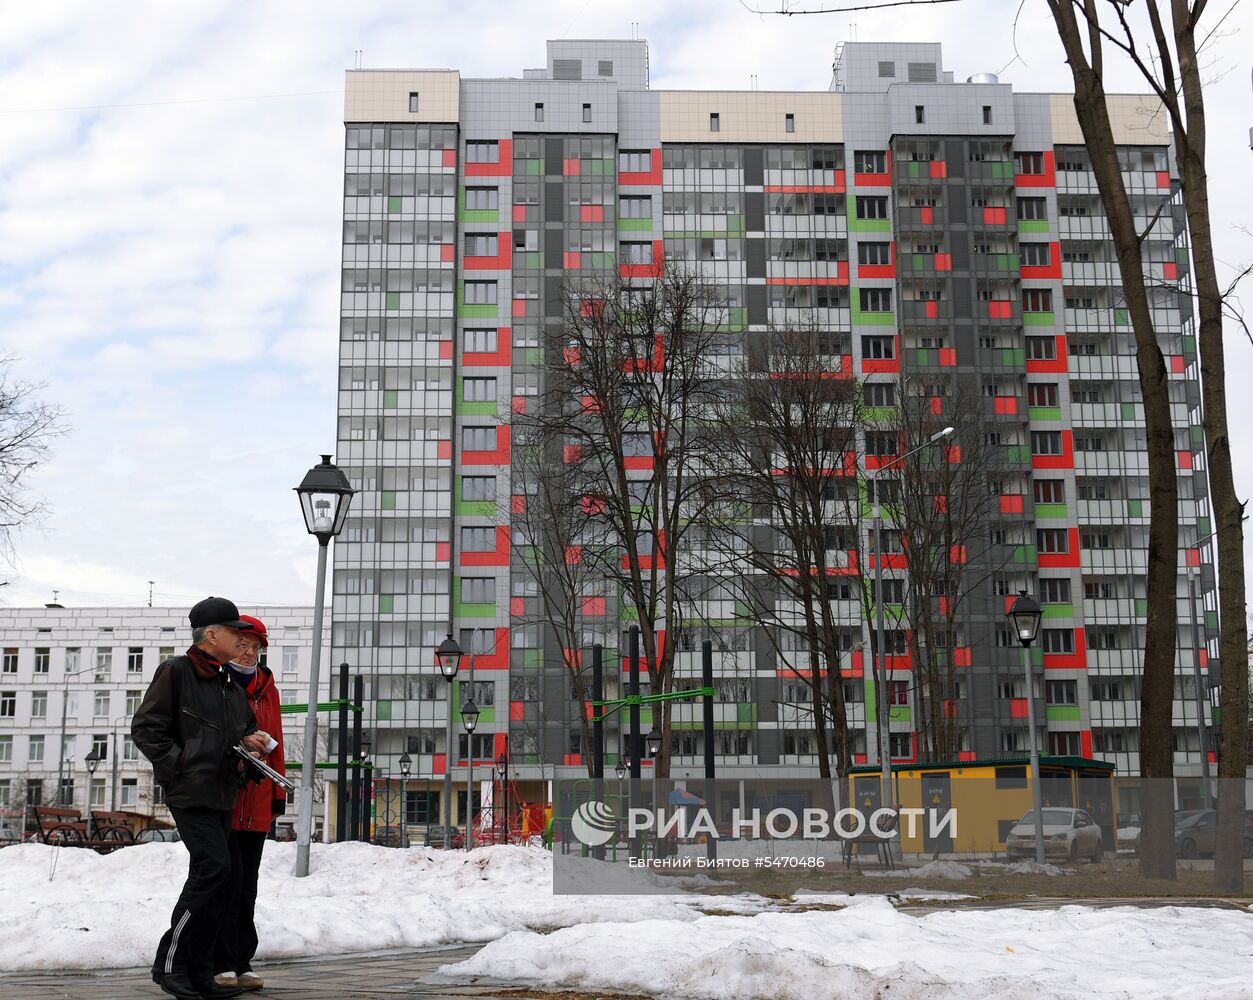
(70, 681)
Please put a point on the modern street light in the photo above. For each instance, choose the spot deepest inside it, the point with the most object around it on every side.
(1024, 613)
(448, 659)
(406, 762)
(92, 761)
(65, 703)
(882, 711)
(470, 720)
(325, 496)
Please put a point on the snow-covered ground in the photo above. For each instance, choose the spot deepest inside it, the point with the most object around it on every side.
(108, 912)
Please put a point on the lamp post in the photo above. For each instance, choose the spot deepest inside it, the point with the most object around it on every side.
(65, 704)
(502, 772)
(366, 792)
(325, 496)
(882, 712)
(406, 762)
(93, 761)
(448, 659)
(470, 720)
(1024, 613)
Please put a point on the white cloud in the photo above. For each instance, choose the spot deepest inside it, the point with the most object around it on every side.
(171, 271)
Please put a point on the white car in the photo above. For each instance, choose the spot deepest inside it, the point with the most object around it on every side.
(1068, 833)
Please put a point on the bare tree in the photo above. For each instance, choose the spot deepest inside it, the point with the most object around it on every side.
(561, 546)
(1078, 27)
(1166, 53)
(788, 433)
(27, 427)
(628, 390)
(949, 500)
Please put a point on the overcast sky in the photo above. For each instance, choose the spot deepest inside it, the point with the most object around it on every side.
(170, 239)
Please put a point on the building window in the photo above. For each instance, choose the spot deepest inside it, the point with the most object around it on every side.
(887, 70)
(8, 704)
(1049, 491)
(539, 112)
(478, 488)
(482, 152)
(1058, 640)
(1064, 744)
(291, 660)
(1042, 394)
(1041, 348)
(920, 114)
(482, 244)
(587, 113)
(635, 253)
(480, 293)
(478, 590)
(635, 161)
(478, 539)
(987, 114)
(479, 390)
(104, 663)
(789, 123)
(482, 199)
(1062, 692)
(1034, 254)
(875, 299)
(100, 745)
(413, 102)
(135, 660)
(38, 704)
(165, 653)
(1046, 442)
(715, 123)
(65, 796)
(878, 348)
(43, 656)
(6, 794)
(1037, 300)
(35, 751)
(901, 745)
(130, 792)
(874, 253)
(635, 207)
(1052, 540)
(870, 161)
(872, 207)
(100, 708)
(478, 438)
(1032, 208)
(6, 749)
(10, 660)
(880, 394)
(1029, 163)
(478, 341)
(133, 699)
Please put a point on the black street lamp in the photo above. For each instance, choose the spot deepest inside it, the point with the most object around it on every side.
(620, 770)
(406, 762)
(653, 739)
(1025, 615)
(93, 761)
(448, 659)
(469, 720)
(325, 496)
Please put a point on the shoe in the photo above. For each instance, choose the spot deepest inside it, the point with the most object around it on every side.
(249, 981)
(211, 989)
(226, 979)
(177, 985)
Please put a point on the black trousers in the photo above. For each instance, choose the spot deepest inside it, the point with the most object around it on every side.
(187, 946)
(237, 940)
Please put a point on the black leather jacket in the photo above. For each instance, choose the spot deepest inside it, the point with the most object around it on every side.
(192, 715)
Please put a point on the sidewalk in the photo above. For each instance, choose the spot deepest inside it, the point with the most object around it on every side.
(387, 974)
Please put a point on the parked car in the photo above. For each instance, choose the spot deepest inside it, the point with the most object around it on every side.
(1068, 833)
(1195, 834)
(435, 837)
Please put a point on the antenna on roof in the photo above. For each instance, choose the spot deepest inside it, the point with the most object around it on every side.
(150, 583)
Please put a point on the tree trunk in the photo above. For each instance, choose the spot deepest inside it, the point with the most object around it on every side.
(1228, 510)
(1157, 846)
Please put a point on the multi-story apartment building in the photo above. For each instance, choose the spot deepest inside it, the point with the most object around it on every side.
(70, 681)
(929, 227)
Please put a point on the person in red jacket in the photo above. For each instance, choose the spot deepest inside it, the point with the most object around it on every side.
(258, 804)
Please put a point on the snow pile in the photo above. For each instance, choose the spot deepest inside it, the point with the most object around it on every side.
(871, 950)
(1024, 867)
(932, 869)
(109, 911)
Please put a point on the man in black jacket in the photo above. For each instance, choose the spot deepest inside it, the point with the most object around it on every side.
(192, 716)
